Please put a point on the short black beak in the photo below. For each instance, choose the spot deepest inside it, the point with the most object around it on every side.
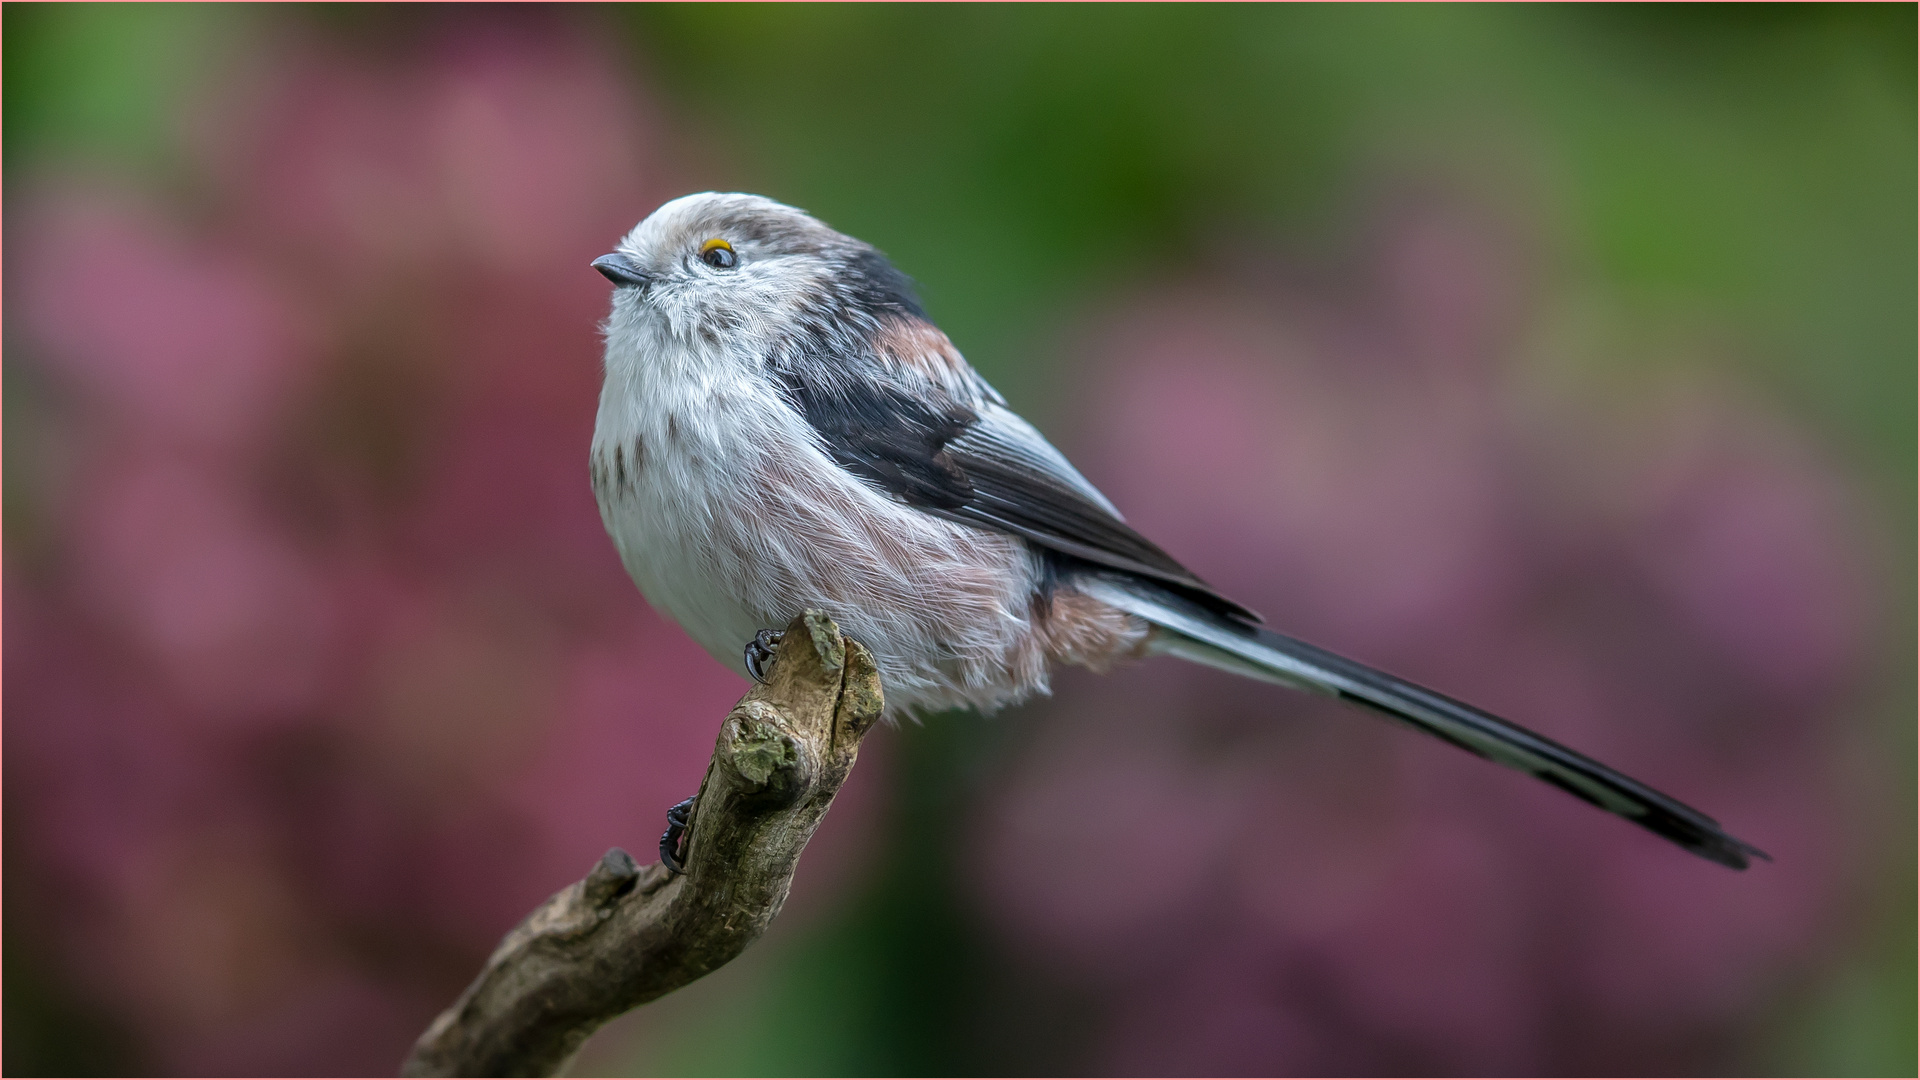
(621, 271)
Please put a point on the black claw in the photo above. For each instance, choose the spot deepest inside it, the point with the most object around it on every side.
(760, 650)
(670, 840)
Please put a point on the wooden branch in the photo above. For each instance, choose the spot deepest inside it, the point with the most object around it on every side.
(626, 934)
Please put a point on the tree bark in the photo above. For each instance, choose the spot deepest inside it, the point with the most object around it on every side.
(626, 935)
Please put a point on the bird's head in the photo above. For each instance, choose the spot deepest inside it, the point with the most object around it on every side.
(744, 271)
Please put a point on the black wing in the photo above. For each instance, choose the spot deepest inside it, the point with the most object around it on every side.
(985, 466)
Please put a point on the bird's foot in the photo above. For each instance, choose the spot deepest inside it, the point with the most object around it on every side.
(760, 650)
(670, 854)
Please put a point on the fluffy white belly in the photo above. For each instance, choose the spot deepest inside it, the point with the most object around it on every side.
(730, 520)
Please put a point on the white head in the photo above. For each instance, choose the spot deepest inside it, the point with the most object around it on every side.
(749, 272)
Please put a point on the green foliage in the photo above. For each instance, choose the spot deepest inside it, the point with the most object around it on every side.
(106, 83)
(1753, 163)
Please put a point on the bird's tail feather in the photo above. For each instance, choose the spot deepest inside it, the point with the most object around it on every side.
(1194, 633)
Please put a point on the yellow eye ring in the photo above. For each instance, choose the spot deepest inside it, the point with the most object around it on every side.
(718, 254)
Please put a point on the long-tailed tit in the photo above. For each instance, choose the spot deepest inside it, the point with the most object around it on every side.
(782, 428)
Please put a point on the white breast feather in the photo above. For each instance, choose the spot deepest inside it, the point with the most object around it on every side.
(734, 520)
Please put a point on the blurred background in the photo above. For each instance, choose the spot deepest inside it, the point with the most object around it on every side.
(1560, 358)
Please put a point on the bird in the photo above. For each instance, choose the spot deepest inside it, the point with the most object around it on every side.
(782, 427)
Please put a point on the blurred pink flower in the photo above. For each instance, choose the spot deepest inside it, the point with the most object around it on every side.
(177, 338)
(237, 616)
(1249, 451)
(497, 152)
(1743, 534)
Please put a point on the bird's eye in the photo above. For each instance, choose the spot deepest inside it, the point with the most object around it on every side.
(718, 254)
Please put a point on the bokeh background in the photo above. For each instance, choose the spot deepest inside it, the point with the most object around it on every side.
(1561, 358)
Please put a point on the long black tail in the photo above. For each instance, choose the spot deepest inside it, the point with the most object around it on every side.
(1206, 637)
